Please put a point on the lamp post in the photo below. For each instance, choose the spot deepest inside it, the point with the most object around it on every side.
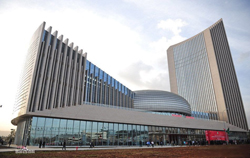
(11, 131)
(224, 123)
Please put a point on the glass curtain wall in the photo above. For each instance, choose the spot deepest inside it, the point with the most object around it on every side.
(194, 81)
(54, 132)
(101, 88)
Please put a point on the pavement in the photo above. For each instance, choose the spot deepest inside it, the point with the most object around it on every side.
(13, 148)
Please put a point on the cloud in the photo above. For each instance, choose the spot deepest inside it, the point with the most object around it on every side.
(132, 74)
(172, 25)
(144, 76)
(152, 71)
(154, 74)
(162, 44)
(244, 56)
(246, 101)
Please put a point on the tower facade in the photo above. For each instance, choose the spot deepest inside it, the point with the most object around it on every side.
(58, 75)
(201, 70)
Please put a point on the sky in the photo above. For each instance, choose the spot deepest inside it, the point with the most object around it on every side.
(127, 39)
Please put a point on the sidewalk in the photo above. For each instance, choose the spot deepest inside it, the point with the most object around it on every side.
(72, 148)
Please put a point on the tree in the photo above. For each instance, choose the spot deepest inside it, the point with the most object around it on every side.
(1, 141)
(11, 135)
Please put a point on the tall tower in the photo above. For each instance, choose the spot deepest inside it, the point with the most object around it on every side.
(201, 70)
(57, 76)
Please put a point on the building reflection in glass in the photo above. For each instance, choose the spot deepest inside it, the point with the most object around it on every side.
(55, 131)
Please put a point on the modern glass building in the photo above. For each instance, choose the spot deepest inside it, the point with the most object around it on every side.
(201, 71)
(65, 97)
(55, 131)
(59, 75)
(101, 88)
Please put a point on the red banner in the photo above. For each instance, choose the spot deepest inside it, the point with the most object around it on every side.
(216, 135)
(190, 117)
(207, 135)
(176, 115)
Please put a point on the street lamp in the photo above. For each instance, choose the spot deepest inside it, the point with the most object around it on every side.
(224, 118)
(225, 123)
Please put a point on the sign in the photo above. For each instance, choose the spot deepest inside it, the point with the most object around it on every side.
(216, 135)
(176, 115)
(207, 135)
(190, 117)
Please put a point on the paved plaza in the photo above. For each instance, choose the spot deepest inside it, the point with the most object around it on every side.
(72, 148)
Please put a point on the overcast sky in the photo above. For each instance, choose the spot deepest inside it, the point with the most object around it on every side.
(126, 38)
